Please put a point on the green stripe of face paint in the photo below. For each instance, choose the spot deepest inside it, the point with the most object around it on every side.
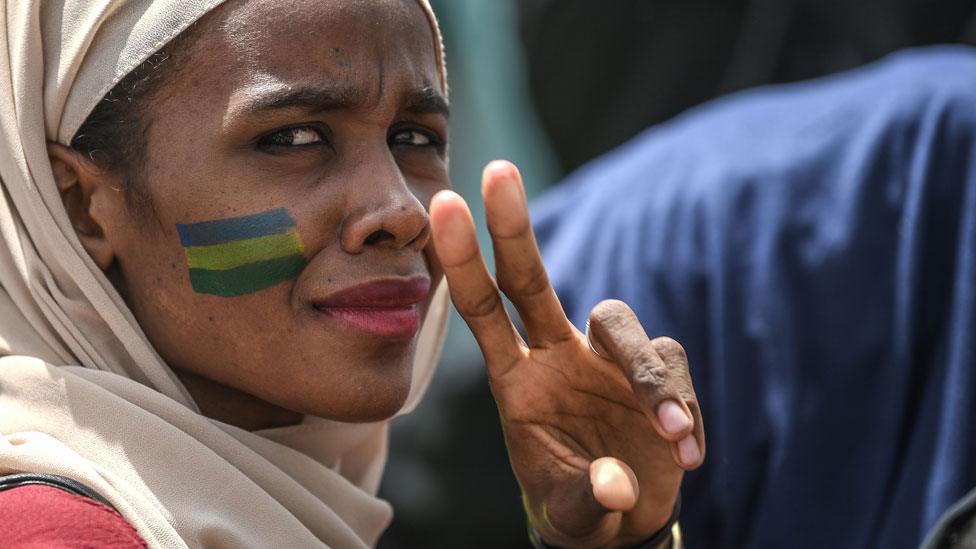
(248, 278)
(238, 253)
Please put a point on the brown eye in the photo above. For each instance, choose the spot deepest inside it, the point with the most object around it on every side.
(411, 138)
(293, 137)
(304, 136)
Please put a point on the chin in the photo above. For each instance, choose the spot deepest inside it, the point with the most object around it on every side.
(366, 410)
(360, 399)
(376, 412)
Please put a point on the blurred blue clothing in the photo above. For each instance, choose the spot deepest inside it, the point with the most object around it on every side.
(813, 247)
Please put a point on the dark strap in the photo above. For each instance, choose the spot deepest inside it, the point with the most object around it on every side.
(71, 486)
(652, 542)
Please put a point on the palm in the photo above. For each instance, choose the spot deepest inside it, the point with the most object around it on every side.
(598, 445)
(564, 407)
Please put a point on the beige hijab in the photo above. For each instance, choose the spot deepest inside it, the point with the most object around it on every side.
(82, 392)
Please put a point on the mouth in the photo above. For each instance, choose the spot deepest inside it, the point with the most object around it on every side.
(388, 308)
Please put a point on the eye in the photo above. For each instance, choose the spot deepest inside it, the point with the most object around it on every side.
(412, 138)
(300, 136)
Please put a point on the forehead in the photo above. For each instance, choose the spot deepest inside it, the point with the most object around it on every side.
(368, 45)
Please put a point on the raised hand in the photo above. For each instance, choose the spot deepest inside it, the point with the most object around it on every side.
(600, 427)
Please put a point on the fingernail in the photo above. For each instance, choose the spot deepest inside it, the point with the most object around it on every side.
(688, 450)
(673, 417)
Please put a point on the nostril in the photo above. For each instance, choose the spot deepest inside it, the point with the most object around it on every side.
(378, 236)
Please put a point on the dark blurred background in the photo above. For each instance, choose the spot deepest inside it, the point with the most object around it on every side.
(551, 84)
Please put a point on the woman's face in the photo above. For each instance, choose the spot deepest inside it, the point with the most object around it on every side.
(290, 165)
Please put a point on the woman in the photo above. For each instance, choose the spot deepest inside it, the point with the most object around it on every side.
(220, 282)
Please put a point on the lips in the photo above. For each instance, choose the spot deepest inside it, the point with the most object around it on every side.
(387, 308)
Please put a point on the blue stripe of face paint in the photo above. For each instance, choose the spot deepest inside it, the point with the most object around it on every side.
(208, 233)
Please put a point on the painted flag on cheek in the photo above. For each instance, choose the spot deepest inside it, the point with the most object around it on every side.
(242, 255)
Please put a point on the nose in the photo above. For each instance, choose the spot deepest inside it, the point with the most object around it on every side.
(390, 217)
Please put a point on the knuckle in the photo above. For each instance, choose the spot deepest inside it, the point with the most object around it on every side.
(484, 306)
(670, 350)
(610, 311)
(469, 256)
(658, 376)
(513, 228)
(534, 281)
(647, 371)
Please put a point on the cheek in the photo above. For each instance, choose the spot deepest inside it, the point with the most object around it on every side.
(243, 332)
(242, 255)
(215, 297)
(257, 344)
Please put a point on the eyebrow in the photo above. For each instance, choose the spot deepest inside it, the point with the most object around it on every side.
(420, 101)
(428, 101)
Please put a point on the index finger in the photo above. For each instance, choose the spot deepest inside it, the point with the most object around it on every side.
(473, 290)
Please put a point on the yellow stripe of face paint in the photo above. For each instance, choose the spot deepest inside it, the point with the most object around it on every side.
(220, 257)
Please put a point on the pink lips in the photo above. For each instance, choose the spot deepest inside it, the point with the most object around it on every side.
(388, 308)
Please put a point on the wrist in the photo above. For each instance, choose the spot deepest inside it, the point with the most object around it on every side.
(662, 539)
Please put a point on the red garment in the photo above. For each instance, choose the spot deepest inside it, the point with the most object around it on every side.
(43, 517)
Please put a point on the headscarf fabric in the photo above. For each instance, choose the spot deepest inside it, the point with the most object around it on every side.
(83, 393)
(813, 247)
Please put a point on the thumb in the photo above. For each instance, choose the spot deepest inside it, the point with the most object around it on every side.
(588, 510)
(614, 484)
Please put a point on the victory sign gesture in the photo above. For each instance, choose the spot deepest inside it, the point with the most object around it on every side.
(601, 426)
